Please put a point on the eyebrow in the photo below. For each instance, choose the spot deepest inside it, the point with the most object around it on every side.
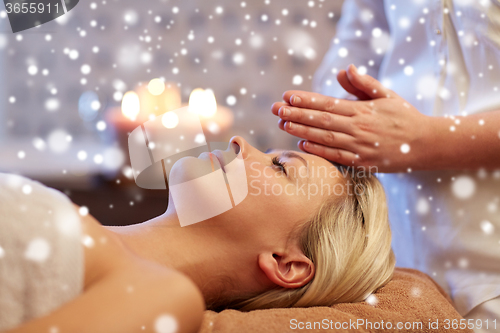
(339, 166)
(290, 154)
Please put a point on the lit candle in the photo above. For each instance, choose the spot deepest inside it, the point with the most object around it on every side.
(156, 87)
(172, 97)
(213, 117)
(202, 102)
(131, 105)
(156, 98)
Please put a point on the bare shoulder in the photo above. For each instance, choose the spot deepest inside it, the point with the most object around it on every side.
(105, 254)
(123, 293)
(107, 258)
(137, 297)
(103, 251)
(154, 291)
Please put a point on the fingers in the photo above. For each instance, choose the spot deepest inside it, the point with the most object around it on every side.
(347, 85)
(314, 101)
(289, 93)
(341, 156)
(281, 124)
(300, 145)
(276, 106)
(324, 137)
(367, 84)
(314, 118)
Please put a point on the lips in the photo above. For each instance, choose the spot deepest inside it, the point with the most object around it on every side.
(220, 158)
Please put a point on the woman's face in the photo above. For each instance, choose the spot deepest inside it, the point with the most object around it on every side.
(285, 189)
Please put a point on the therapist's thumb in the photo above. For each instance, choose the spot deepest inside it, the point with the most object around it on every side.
(368, 84)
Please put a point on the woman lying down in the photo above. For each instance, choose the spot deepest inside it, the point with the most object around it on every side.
(274, 249)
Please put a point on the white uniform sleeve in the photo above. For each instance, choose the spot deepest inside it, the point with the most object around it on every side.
(356, 35)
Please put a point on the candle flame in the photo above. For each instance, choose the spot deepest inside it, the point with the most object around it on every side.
(170, 119)
(203, 102)
(156, 87)
(131, 105)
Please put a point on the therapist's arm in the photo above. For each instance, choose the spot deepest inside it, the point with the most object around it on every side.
(386, 132)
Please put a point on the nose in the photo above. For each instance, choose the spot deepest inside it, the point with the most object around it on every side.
(238, 144)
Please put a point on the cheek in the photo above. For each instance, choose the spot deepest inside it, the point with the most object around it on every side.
(265, 214)
(264, 180)
(268, 199)
(272, 196)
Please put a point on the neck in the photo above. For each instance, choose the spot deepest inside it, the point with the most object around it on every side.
(203, 251)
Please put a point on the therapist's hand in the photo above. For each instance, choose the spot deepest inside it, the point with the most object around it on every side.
(380, 130)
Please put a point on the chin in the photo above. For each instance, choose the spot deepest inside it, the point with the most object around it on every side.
(188, 168)
(198, 193)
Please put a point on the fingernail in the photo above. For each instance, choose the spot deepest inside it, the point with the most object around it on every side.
(296, 100)
(290, 125)
(284, 112)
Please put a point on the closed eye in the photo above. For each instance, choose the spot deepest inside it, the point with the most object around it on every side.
(288, 154)
(279, 164)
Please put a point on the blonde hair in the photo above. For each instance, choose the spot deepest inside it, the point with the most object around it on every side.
(349, 242)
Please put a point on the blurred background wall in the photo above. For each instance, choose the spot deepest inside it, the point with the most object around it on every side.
(62, 80)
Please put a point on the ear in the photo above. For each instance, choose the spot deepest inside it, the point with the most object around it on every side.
(288, 270)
